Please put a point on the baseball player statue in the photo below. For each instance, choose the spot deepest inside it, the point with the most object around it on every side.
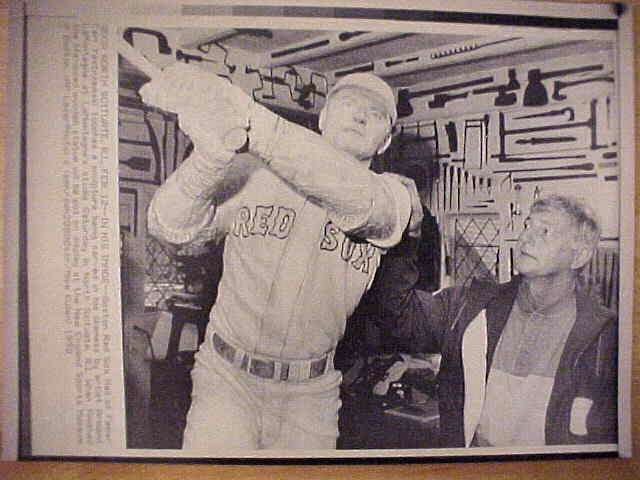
(305, 222)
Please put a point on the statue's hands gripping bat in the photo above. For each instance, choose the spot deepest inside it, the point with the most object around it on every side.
(212, 111)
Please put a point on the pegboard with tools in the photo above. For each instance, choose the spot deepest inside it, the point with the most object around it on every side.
(268, 80)
(493, 122)
(503, 137)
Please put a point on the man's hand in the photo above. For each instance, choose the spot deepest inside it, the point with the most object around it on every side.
(414, 228)
(212, 111)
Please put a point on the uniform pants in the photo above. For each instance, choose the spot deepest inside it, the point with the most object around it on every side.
(233, 409)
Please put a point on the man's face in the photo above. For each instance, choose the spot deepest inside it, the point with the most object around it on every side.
(357, 122)
(546, 246)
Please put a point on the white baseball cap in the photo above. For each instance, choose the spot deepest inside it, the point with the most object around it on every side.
(372, 83)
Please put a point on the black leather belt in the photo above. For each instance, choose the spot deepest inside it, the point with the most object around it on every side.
(298, 370)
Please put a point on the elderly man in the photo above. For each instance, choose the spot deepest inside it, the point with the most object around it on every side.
(305, 222)
(527, 363)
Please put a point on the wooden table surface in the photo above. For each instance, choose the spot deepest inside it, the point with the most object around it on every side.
(521, 470)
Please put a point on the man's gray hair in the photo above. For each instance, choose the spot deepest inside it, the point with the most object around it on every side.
(584, 217)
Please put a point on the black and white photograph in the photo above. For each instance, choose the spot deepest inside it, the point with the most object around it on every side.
(284, 288)
(298, 232)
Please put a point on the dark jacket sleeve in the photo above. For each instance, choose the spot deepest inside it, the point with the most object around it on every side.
(603, 388)
(418, 320)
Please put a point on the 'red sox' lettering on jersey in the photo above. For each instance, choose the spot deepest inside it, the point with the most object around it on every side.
(282, 254)
(279, 221)
(263, 220)
(359, 254)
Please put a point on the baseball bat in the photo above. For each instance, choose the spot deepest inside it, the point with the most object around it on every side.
(235, 139)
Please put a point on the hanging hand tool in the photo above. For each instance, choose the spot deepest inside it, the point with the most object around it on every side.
(553, 178)
(272, 80)
(475, 140)
(307, 92)
(503, 99)
(590, 123)
(187, 58)
(452, 135)
(206, 48)
(559, 85)
(551, 113)
(321, 86)
(453, 192)
(304, 94)
(544, 140)
(405, 95)
(440, 99)
(593, 122)
(587, 167)
(163, 44)
(535, 95)
(250, 71)
(446, 188)
(514, 159)
(449, 52)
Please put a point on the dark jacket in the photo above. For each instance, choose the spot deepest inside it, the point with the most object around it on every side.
(464, 324)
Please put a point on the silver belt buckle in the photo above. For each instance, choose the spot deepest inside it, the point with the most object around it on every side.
(271, 369)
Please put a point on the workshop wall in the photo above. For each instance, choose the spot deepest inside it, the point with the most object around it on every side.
(502, 137)
(495, 125)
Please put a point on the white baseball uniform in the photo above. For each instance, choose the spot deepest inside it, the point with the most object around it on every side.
(264, 375)
(291, 278)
